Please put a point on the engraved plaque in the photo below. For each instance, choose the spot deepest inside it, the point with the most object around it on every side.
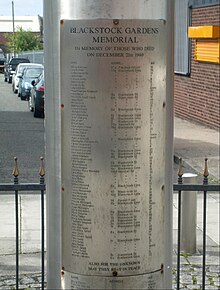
(145, 281)
(113, 97)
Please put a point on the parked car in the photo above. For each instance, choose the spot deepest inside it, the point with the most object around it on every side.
(36, 100)
(28, 75)
(18, 72)
(10, 67)
(2, 60)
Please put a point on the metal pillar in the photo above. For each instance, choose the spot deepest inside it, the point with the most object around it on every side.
(54, 11)
(189, 216)
(52, 130)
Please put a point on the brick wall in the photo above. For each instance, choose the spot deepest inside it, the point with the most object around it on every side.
(197, 97)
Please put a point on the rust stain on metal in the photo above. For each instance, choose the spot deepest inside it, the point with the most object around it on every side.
(161, 268)
(62, 23)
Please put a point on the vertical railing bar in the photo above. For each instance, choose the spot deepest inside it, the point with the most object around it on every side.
(205, 181)
(42, 173)
(42, 237)
(17, 238)
(15, 173)
(178, 240)
(204, 242)
(180, 181)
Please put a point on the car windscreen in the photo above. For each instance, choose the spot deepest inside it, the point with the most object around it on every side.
(22, 67)
(33, 72)
(18, 60)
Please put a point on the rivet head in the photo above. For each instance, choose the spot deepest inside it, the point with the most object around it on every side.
(116, 21)
(114, 273)
(62, 271)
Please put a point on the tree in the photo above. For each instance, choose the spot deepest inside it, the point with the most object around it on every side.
(23, 40)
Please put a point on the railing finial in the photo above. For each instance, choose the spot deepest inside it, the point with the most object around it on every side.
(206, 172)
(41, 171)
(180, 170)
(15, 171)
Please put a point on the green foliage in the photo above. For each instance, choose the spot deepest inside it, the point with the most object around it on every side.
(186, 256)
(23, 40)
(211, 281)
(194, 279)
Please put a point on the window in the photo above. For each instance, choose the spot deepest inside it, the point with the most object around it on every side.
(202, 3)
(181, 45)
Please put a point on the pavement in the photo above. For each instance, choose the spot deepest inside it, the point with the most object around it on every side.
(193, 143)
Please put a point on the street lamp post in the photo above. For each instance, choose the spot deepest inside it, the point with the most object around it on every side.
(13, 25)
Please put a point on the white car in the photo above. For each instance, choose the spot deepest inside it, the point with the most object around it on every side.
(18, 72)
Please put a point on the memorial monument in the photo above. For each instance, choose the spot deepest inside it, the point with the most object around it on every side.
(114, 108)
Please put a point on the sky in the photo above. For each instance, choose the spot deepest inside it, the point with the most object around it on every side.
(21, 7)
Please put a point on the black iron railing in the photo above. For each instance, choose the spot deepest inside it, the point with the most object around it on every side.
(17, 189)
(205, 187)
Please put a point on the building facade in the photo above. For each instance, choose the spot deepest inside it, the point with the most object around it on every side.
(197, 81)
(32, 23)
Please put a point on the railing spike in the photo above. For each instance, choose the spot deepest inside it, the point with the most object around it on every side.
(180, 170)
(15, 171)
(41, 171)
(206, 172)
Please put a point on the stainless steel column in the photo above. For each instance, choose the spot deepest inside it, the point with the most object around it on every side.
(55, 10)
(52, 14)
(189, 216)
